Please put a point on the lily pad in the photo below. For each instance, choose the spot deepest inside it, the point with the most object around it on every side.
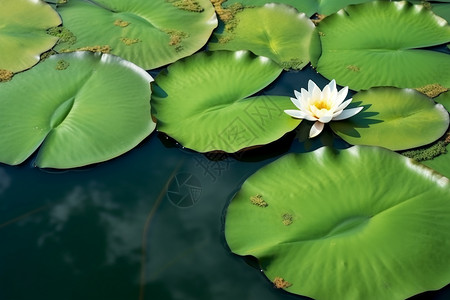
(337, 226)
(282, 34)
(440, 164)
(377, 44)
(444, 99)
(309, 7)
(393, 118)
(440, 8)
(23, 37)
(148, 33)
(201, 102)
(80, 108)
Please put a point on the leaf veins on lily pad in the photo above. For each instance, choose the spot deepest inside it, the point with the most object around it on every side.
(277, 31)
(382, 43)
(148, 33)
(77, 108)
(368, 224)
(203, 102)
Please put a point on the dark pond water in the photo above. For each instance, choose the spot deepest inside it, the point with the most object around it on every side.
(147, 225)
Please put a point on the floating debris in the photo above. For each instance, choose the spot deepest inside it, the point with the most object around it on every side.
(432, 90)
(280, 283)
(62, 65)
(128, 41)
(5, 75)
(188, 5)
(121, 23)
(287, 219)
(258, 200)
(64, 35)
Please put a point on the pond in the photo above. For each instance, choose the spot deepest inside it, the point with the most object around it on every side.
(146, 225)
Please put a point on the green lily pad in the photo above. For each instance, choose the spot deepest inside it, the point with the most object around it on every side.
(282, 34)
(361, 223)
(201, 102)
(393, 118)
(80, 108)
(440, 164)
(309, 7)
(23, 37)
(440, 8)
(444, 99)
(376, 44)
(148, 33)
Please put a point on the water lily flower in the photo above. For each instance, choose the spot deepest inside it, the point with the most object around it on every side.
(321, 106)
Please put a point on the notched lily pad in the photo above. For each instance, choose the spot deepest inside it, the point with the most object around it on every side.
(381, 44)
(23, 37)
(358, 231)
(201, 102)
(276, 31)
(79, 108)
(396, 119)
(148, 33)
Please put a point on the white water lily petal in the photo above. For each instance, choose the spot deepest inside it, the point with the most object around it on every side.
(326, 93)
(321, 106)
(343, 105)
(296, 113)
(297, 103)
(316, 129)
(326, 118)
(341, 95)
(311, 85)
(304, 94)
(348, 113)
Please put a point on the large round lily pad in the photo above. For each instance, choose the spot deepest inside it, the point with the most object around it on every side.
(201, 102)
(80, 108)
(282, 34)
(148, 33)
(396, 119)
(379, 44)
(23, 37)
(361, 223)
(309, 7)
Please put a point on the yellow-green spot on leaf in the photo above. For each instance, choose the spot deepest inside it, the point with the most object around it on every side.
(5, 75)
(294, 64)
(97, 48)
(176, 38)
(62, 65)
(432, 90)
(47, 54)
(430, 151)
(280, 283)
(64, 35)
(188, 5)
(426, 4)
(287, 219)
(121, 23)
(225, 39)
(128, 41)
(258, 201)
(227, 15)
(353, 68)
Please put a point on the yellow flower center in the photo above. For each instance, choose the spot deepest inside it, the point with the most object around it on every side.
(322, 104)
